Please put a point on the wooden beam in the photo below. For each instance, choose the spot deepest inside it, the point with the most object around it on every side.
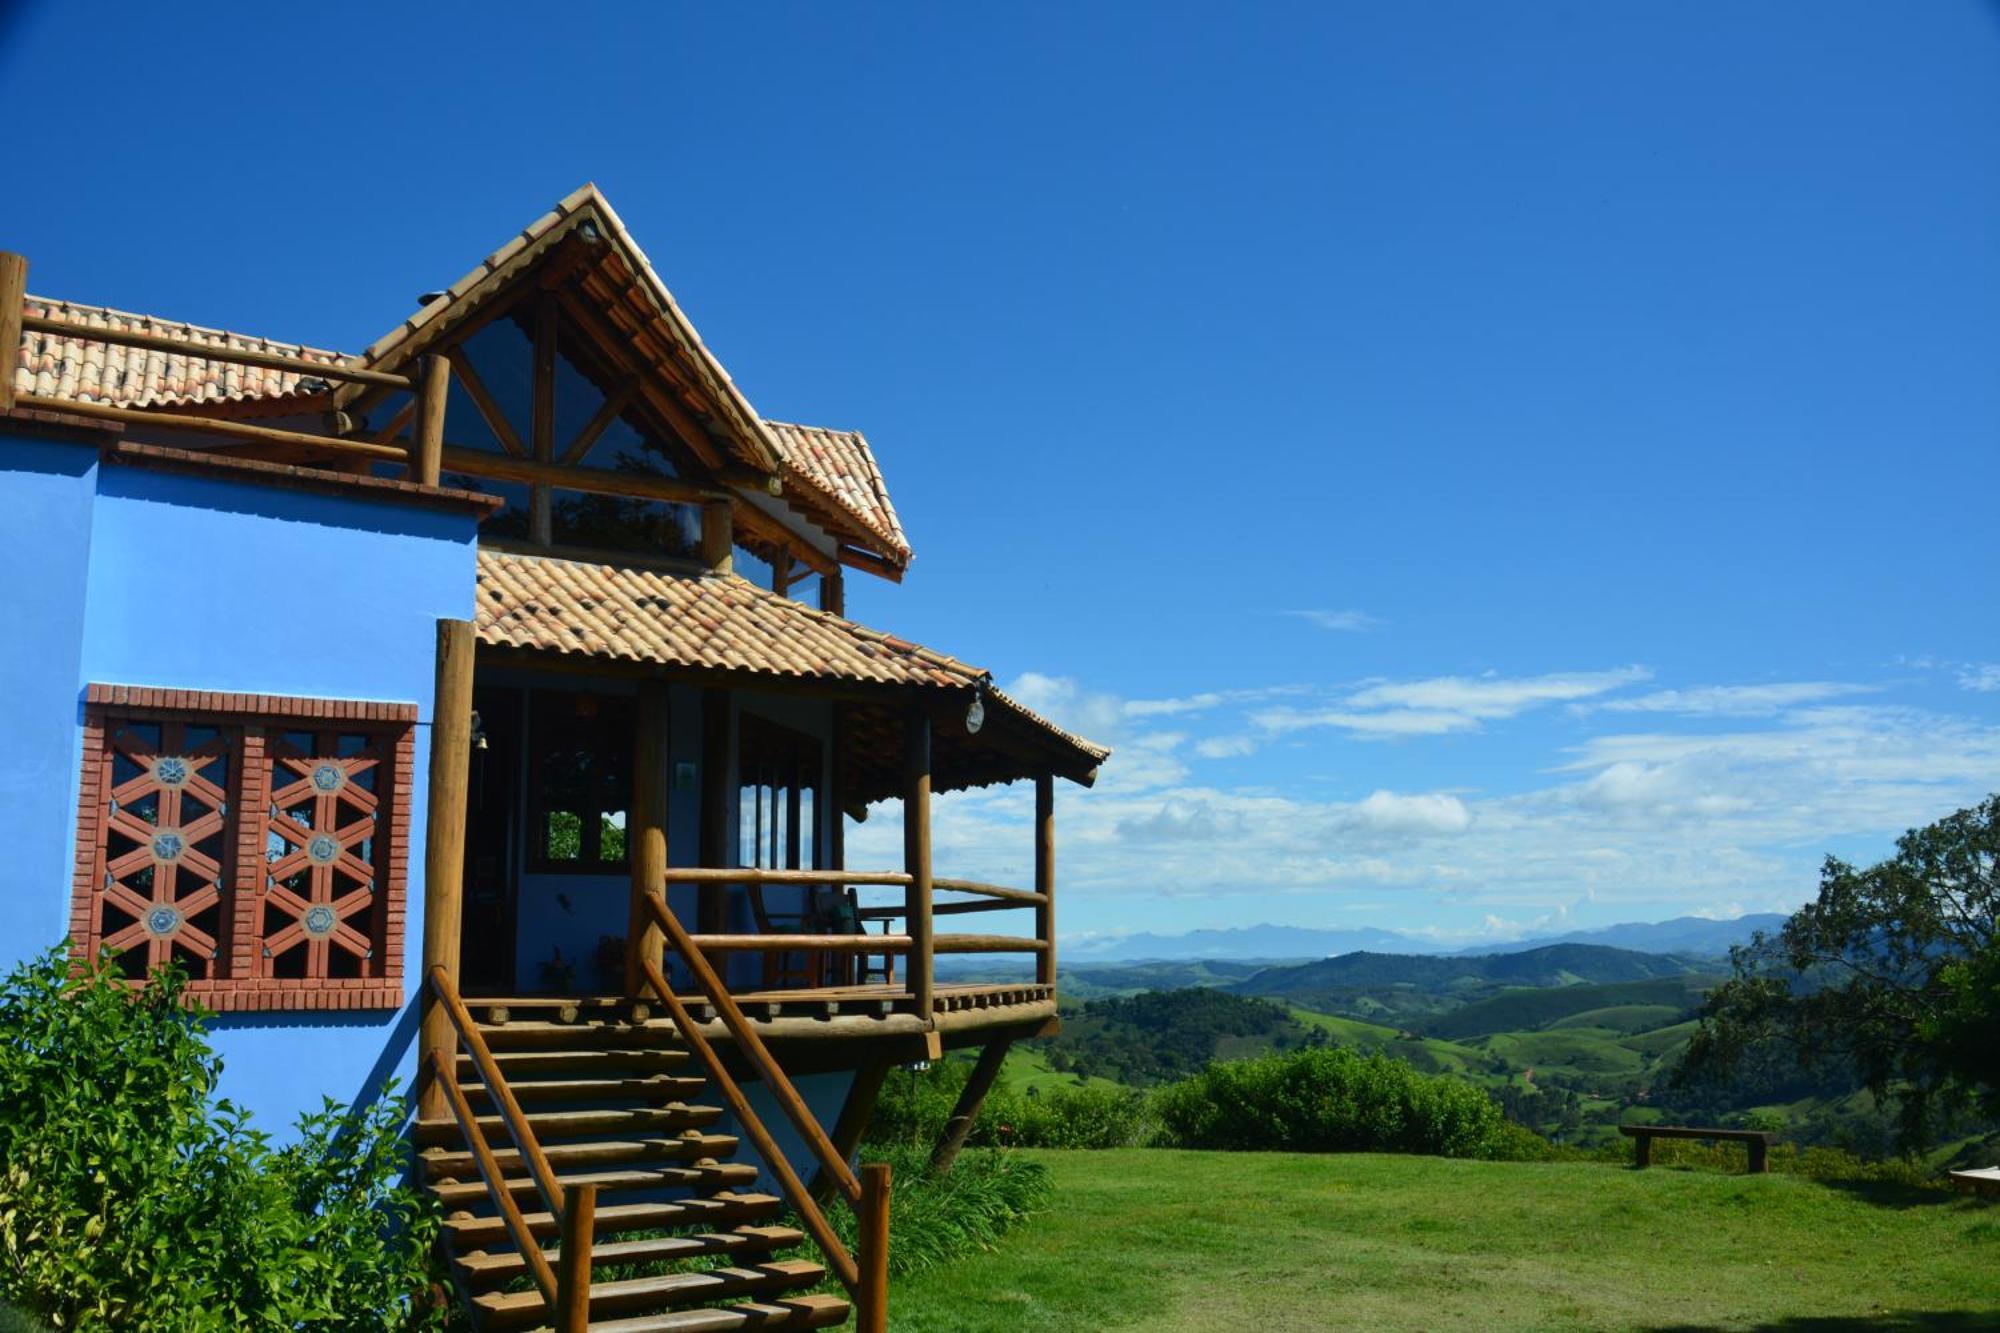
(871, 563)
(833, 592)
(241, 356)
(679, 421)
(542, 420)
(969, 1101)
(717, 812)
(917, 854)
(986, 944)
(718, 539)
(489, 407)
(13, 308)
(434, 391)
(1045, 876)
(398, 423)
(646, 832)
(614, 403)
(597, 480)
(444, 843)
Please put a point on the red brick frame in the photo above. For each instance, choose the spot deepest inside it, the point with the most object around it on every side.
(243, 989)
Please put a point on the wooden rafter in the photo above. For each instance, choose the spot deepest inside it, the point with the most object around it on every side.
(614, 403)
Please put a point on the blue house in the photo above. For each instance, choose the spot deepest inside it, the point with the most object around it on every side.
(480, 709)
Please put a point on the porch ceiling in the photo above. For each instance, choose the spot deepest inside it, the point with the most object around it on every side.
(725, 629)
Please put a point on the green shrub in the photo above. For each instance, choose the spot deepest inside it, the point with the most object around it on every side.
(1328, 1100)
(915, 1104)
(131, 1199)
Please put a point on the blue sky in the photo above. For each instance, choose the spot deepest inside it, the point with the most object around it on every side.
(1486, 466)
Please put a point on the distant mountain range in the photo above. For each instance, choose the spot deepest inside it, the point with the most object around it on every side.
(1550, 965)
(1683, 935)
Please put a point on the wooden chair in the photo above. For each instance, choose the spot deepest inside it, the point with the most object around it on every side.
(791, 967)
(855, 969)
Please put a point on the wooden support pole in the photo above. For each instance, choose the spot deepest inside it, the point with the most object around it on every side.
(969, 1101)
(444, 845)
(434, 390)
(855, 1113)
(917, 854)
(646, 832)
(13, 298)
(1045, 876)
(871, 1309)
(542, 421)
(833, 592)
(718, 535)
(579, 1221)
(717, 809)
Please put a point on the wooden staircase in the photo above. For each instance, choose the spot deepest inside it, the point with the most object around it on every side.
(681, 1240)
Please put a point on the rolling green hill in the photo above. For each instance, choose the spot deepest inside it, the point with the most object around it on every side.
(1668, 998)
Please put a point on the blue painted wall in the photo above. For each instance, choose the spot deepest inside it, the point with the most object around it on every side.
(46, 491)
(137, 577)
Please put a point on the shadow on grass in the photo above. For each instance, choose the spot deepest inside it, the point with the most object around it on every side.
(1895, 1194)
(1889, 1321)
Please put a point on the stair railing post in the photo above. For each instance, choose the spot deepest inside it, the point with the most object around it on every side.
(871, 1307)
(444, 846)
(579, 1220)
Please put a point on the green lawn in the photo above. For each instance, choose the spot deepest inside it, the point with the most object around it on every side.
(1149, 1239)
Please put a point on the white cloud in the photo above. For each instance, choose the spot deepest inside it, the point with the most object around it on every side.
(1440, 705)
(1730, 700)
(1225, 747)
(1983, 677)
(1433, 812)
(1339, 622)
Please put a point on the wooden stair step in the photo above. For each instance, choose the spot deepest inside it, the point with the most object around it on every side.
(655, 1087)
(464, 1193)
(550, 1125)
(660, 1058)
(484, 1268)
(443, 1163)
(466, 1233)
(773, 1317)
(525, 1309)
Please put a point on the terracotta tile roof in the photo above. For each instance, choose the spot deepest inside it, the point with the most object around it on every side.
(93, 372)
(841, 466)
(573, 608)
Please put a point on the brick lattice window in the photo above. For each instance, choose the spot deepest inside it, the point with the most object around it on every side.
(260, 841)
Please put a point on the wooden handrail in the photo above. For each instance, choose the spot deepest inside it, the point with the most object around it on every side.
(753, 1049)
(245, 356)
(233, 430)
(496, 1184)
(1020, 897)
(894, 879)
(782, 943)
(837, 1256)
(503, 1096)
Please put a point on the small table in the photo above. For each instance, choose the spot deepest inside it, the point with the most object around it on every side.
(1759, 1141)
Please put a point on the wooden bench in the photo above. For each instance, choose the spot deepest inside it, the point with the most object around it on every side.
(1759, 1141)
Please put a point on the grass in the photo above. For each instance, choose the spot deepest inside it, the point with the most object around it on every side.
(1027, 1067)
(1432, 1055)
(1148, 1239)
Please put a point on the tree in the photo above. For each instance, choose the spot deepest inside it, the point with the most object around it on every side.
(1892, 972)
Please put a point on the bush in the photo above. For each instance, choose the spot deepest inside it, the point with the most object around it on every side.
(131, 1199)
(915, 1104)
(1328, 1100)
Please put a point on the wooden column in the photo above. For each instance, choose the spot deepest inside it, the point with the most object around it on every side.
(855, 1112)
(1045, 876)
(781, 574)
(717, 809)
(444, 847)
(871, 1306)
(542, 423)
(970, 1100)
(718, 535)
(833, 592)
(917, 854)
(646, 832)
(427, 447)
(13, 292)
(579, 1221)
